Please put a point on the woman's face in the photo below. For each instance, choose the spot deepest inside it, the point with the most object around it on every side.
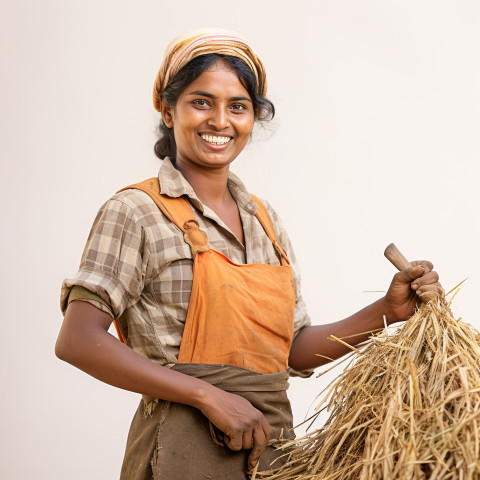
(213, 118)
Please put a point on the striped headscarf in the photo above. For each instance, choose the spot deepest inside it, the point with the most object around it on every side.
(186, 47)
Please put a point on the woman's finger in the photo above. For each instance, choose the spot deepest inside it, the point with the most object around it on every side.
(406, 276)
(428, 266)
(427, 279)
(234, 440)
(247, 442)
(428, 292)
(260, 442)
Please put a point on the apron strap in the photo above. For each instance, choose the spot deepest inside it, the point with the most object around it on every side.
(178, 211)
(264, 219)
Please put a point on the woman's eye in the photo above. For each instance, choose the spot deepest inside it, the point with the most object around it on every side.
(201, 102)
(238, 107)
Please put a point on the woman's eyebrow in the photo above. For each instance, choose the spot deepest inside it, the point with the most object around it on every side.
(241, 98)
(203, 94)
(214, 97)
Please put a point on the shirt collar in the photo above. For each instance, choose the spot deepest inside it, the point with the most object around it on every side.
(174, 184)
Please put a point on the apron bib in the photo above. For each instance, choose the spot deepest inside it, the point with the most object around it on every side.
(237, 336)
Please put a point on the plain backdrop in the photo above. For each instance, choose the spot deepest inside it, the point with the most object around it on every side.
(376, 139)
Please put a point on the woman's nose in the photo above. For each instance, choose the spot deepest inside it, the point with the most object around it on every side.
(219, 118)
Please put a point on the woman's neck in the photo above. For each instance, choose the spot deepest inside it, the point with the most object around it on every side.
(210, 185)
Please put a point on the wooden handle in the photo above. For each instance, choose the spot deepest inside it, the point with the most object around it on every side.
(395, 256)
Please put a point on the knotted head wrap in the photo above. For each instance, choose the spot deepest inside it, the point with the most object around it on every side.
(186, 47)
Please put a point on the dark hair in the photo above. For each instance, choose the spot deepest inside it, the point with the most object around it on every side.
(263, 108)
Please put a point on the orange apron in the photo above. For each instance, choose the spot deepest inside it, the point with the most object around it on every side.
(239, 319)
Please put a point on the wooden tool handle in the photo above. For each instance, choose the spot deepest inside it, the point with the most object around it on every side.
(395, 256)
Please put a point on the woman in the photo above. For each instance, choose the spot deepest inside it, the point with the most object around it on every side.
(203, 282)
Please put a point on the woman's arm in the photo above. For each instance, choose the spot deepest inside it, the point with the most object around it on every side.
(84, 342)
(397, 305)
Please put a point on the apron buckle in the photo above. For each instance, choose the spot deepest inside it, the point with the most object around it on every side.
(196, 238)
(280, 251)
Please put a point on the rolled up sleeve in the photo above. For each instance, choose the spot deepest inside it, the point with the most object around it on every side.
(114, 260)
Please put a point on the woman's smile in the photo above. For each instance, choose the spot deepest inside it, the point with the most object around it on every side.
(215, 140)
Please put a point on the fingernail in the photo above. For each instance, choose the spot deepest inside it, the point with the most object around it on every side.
(415, 286)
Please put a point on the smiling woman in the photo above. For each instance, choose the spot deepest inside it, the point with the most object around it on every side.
(201, 281)
(262, 108)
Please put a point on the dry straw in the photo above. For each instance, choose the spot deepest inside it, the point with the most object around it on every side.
(407, 406)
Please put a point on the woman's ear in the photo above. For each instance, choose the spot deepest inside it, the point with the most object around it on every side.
(167, 115)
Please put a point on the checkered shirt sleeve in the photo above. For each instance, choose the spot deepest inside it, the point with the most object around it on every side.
(114, 260)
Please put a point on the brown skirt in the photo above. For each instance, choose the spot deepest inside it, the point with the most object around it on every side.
(178, 442)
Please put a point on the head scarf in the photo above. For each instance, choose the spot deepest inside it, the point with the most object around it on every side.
(186, 47)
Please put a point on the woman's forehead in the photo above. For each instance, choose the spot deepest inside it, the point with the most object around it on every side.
(219, 79)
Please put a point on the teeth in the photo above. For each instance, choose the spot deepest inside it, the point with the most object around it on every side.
(215, 140)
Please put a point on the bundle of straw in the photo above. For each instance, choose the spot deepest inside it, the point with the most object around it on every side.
(407, 406)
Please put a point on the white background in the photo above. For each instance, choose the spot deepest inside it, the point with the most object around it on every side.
(376, 140)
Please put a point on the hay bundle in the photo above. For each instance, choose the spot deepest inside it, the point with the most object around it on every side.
(406, 407)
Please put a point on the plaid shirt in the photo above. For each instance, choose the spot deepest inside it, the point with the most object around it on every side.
(137, 261)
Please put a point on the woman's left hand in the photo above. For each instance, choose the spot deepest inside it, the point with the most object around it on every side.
(418, 283)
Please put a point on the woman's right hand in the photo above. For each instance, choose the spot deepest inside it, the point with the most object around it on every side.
(243, 426)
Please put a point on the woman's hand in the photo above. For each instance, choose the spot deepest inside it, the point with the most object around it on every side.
(420, 282)
(84, 342)
(408, 287)
(243, 426)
